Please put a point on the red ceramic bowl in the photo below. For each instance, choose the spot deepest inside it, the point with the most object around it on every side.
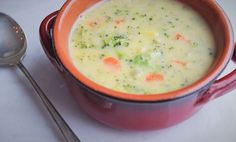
(140, 112)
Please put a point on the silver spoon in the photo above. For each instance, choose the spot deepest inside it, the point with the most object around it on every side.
(12, 49)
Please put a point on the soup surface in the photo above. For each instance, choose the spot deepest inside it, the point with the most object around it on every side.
(142, 46)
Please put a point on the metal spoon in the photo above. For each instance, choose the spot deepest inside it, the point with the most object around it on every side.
(12, 49)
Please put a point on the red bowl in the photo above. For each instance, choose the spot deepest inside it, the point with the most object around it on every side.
(140, 112)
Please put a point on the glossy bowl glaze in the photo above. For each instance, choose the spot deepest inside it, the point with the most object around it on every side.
(139, 112)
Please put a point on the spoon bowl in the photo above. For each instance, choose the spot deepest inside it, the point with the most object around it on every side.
(13, 42)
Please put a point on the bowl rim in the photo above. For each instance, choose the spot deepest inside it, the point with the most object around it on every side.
(210, 78)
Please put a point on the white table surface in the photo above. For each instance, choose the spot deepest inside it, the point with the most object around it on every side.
(24, 119)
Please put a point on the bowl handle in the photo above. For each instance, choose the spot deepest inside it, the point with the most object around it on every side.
(45, 32)
(221, 86)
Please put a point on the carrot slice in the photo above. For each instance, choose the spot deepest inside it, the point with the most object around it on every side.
(154, 77)
(112, 63)
(182, 38)
(92, 24)
(120, 21)
(182, 63)
(95, 23)
(179, 37)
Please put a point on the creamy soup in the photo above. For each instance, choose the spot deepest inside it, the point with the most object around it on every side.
(142, 46)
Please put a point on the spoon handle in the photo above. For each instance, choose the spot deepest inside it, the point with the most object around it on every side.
(66, 131)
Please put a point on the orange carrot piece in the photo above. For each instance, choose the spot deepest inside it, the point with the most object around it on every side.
(182, 63)
(120, 21)
(154, 77)
(96, 22)
(112, 63)
(92, 24)
(182, 38)
(179, 37)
